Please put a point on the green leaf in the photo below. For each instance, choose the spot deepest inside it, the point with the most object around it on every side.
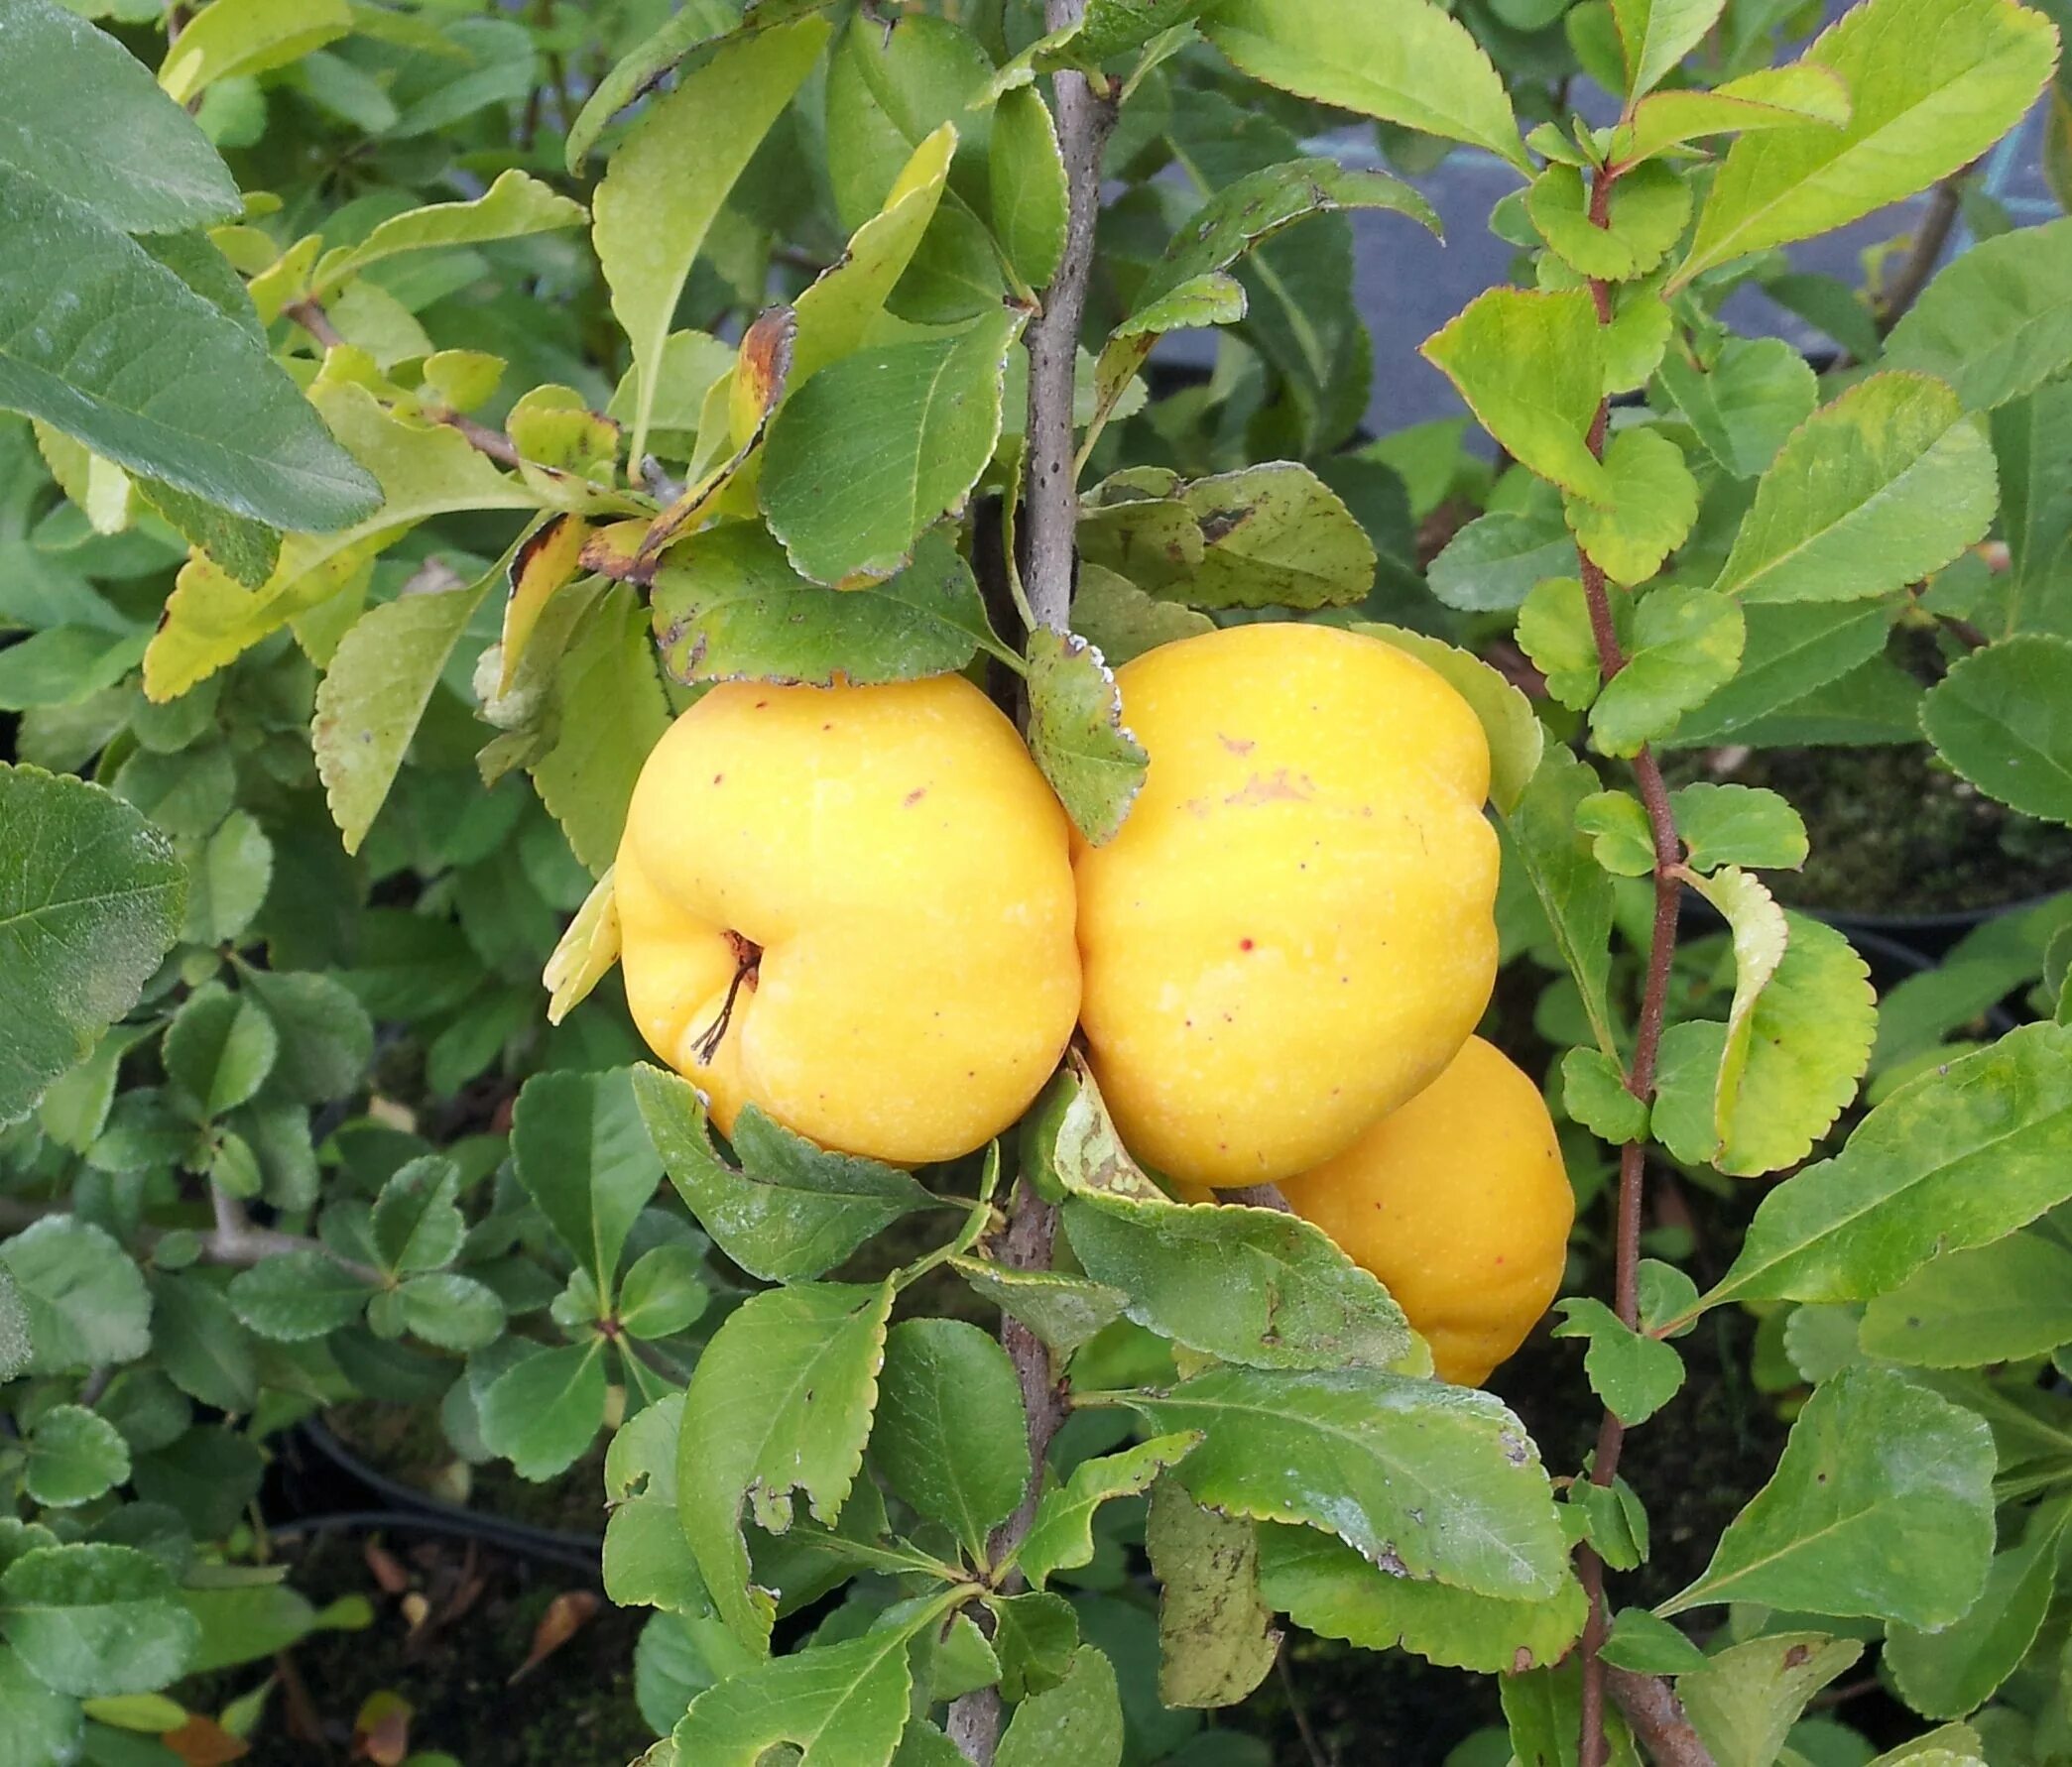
(296, 1296)
(695, 27)
(1746, 1698)
(672, 176)
(843, 1704)
(1650, 1646)
(81, 116)
(585, 1157)
(2030, 438)
(1121, 621)
(1217, 1640)
(1998, 1303)
(1686, 641)
(1872, 1461)
(200, 1343)
(1646, 214)
(1034, 1636)
(780, 1402)
(1770, 99)
(245, 1623)
(423, 469)
(542, 1412)
(373, 696)
(1651, 503)
(1656, 34)
(1903, 484)
(729, 606)
(947, 1383)
(74, 1456)
(1948, 1673)
(15, 1351)
(1063, 1311)
(1594, 1092)
(326, 1038)
(2002, 718)
(1532, 367)
(1915, 118)
(1748, 404)
(451, 1311)
(1076, 734)
(83, 1299)
(1996, 323)
(1496, 559)
(791, 1211)
(91, 899)
(190, 396)
(1328, 1589)
(1275, 535)
(1959, 1157)
(1543, 1708)
(1079, 1720)
(1410, 63)
(510, 209)
(1516, 738)
(62, 666)
(1738, 825)
(662, 1293)
(878, 448)
(228, 881)
(1557, 857)
(1431, 1480)
(219, 1048)
(95, 1620)
(1029, 185)
(43, 1726)
(1792, 649)
(1061, 1536)
(417, 1223)
(1635, 1375)
(232, 39)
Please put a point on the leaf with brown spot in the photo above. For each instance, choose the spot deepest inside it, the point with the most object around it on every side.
(547, 562)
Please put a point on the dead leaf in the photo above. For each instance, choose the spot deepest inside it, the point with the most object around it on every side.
(381, 1733)
(202, 1742)
(386, 1569)
(566, 1615)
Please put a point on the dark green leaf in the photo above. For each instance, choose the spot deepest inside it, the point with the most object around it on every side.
(95, 1620)
(946, 1383)
(296, 1296)
(585, 1157)
(2003, 718)
(83, 1299)
(1635, 1375)
(1077, 736)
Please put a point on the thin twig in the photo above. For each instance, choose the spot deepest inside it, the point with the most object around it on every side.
(1301, 1714)
(1938, 221)
(1656, 1718)
(312, 318)
(483, 439)
(1640, 1076)
(237, 1245)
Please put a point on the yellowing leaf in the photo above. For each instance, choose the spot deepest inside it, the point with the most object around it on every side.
(243, 37)
(513, 207)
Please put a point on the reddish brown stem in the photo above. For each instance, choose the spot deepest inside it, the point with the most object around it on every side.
(312, 318)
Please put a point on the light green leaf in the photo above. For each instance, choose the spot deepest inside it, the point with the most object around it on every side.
(1076, 734)
(296, 1296)
(2003, 718)
(1277, 536)
(843, 1704)
(424, 470)
(82, 1298)
(228, 881)
(1650, 1646)
(1998, 1303)
(1646, 214)
(1686, 641)
(1029, 185)
(1516, 738)
(1792, 649)
(1959, 1157)
(1881, 488)
(1217, 1640)
(368, 706)
(673, 174)
(1652, 501)
(1746, 1698)
(248, 1623)
(190, 396)
(63, 665)
(43, 1728)
(878, 448)
(542, 1412)
(613, 711)
(1656, 34)
(1948, 1673)
(1770, 99)
(662, 1293)
(95, 1620)
(947, 1383)
(219, 1048)
(1430, 1480)
(1881, 1506)
(1061, 1536)
(74, 1455)
(1407, 63)
(91, 899)
(1594, 1092)
(728, 606)
(81, 115)
(1063, 1311)
(510, 209)
(693, 26)
(1079, 1720)
(1558, 861)
(1915, 118)
(1635, 1375)
(583, 1155)
(1328, 1589)
(1738, 825)
(791, 1211)
(1532, 367)
(229, 38)
(780, 1402)
(1748, 404)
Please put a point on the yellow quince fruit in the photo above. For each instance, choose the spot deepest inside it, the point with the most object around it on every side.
(1293, 931)
(1460, 1204)
(854, 908)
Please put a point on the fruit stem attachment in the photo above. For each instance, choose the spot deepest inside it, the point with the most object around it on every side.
(747, 955)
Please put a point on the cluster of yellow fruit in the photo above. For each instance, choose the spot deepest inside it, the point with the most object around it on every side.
(863, 910)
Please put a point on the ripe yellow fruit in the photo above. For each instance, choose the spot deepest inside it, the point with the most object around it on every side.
(1293, 931)
(852, 906)
(1460, 1204)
